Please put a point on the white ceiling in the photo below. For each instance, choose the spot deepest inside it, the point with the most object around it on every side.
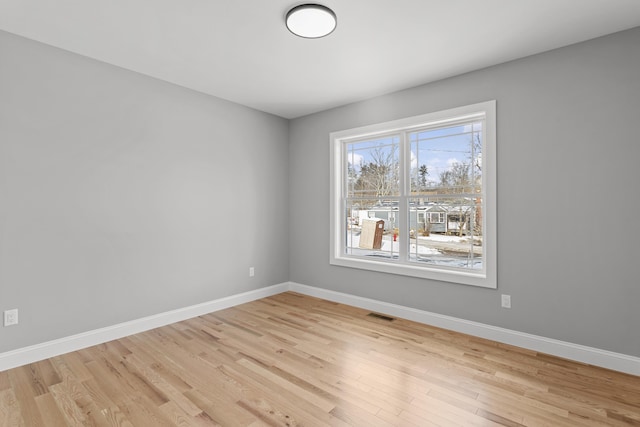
(240, 50)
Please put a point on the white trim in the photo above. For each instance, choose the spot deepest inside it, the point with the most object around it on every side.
(579, 353)
(487, 277)
(593, 356)
(34, 353)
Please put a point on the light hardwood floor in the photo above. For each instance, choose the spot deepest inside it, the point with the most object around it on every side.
(293, 360)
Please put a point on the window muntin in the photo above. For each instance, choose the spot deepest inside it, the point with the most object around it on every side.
(430, 182)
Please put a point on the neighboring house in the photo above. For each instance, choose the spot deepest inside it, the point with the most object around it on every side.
(434, 218)
(431, 218)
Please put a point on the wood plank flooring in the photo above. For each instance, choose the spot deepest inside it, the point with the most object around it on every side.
(292, 360)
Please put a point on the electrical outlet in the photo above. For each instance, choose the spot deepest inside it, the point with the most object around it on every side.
(252, 272)
(11, 317)
(506, 301)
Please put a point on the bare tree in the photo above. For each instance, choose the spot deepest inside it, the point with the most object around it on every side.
(379, 177)
(461, 178)
(456, 179)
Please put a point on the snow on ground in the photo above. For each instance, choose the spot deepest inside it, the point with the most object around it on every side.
(431, 238)
(445, 238)
(418, 252)
(390, 246)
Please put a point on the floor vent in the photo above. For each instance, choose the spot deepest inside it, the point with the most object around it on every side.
(381, 316)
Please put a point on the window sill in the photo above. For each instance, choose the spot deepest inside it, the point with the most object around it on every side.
(440, 274)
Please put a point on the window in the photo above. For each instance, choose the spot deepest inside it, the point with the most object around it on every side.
(428, 185)
(436, 218)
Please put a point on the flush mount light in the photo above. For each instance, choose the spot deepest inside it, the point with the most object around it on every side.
(311, 21)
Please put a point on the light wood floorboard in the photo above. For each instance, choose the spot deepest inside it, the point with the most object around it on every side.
(291, 360)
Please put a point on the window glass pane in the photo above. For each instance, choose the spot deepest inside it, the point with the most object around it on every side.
(449, 235)
(372, 229)
(373, 168)
(447, 160)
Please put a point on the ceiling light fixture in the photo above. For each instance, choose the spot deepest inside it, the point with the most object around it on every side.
(311, 20)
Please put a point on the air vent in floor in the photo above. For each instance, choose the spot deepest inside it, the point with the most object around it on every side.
(381, 316)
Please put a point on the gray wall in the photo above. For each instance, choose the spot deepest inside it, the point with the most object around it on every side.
(122, 196)
(116, 197)
(568, 158)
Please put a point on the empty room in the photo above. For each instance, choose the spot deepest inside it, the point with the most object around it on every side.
(345, 213)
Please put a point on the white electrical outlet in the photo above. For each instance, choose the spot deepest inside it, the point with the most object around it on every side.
(252, 272)
(11, 317)
(506, 301)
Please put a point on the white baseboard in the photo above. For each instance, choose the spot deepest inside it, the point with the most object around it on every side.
(579, 353)
(589, 355)
(34, 353)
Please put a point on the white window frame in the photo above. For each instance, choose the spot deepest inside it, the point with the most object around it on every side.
(487, 277)
(441, 217)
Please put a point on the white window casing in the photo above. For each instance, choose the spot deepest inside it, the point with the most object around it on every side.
(476, 211)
